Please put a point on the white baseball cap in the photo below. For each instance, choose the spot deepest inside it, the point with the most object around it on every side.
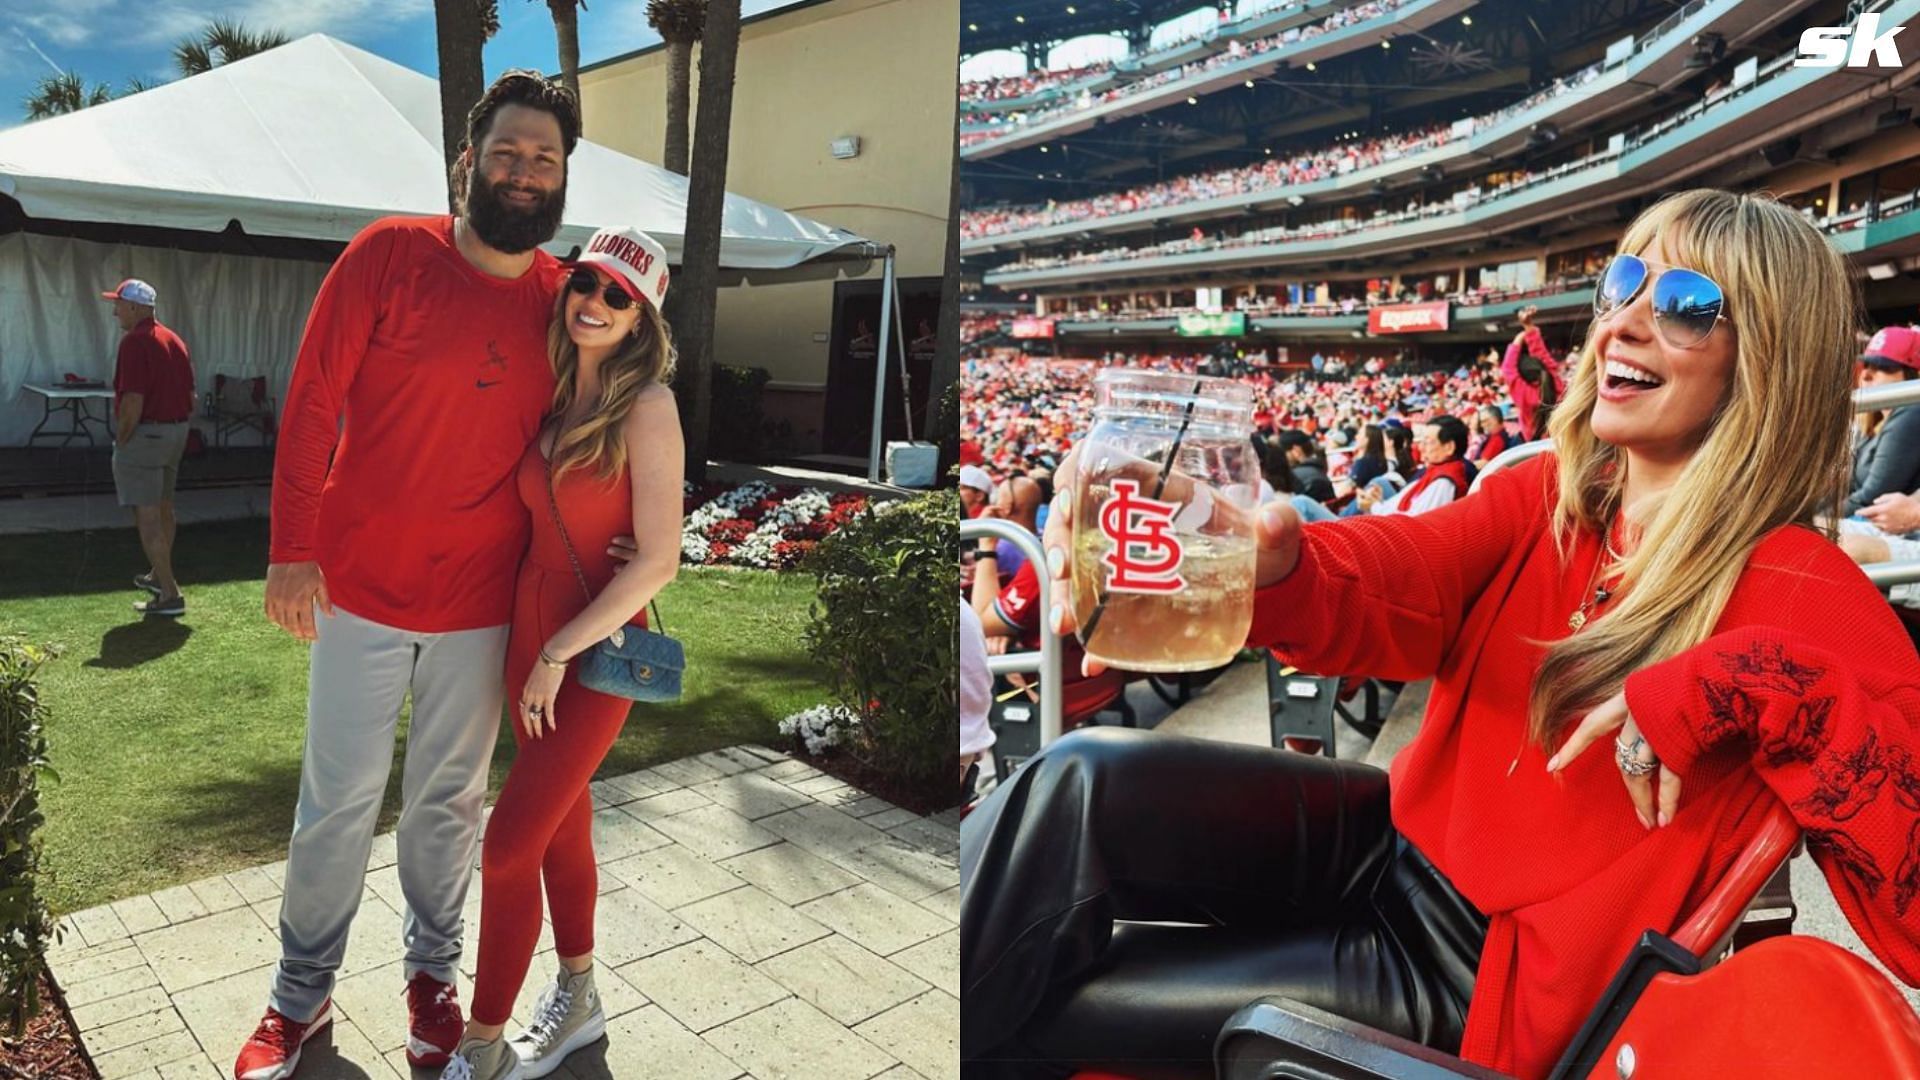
(974, 476)
(132, 290)
(632, 256)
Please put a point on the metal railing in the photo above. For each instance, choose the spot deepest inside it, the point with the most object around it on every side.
(1046, 662)
(1866, 399)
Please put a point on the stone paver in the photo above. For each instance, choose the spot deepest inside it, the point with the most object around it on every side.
(924, 1033)
(702, 985)
(759, 920)
(823, 830)
(211, 947)
(876, 918)
(751, 924)
(936, 960)
(792, 1040)
(671, 876)
(790, 873)
(842, 979)
(715, 832)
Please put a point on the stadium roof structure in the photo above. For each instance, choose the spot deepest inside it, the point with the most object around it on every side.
(1011, 24)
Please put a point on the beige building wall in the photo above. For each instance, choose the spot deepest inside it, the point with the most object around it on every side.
(882, 70)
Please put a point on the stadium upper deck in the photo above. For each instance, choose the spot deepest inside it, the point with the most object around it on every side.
(1482, 157)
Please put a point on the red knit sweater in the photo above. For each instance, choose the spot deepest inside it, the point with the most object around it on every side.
(1808, 687)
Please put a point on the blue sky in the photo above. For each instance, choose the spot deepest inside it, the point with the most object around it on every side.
(111, 41)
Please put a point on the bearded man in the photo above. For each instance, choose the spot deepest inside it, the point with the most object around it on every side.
(421, 379)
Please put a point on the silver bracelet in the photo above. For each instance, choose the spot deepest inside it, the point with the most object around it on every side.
(557, 665)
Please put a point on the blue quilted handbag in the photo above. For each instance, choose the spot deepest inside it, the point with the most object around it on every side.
(632, 662)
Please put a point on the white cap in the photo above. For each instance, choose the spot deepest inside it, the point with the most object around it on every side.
(133, 291)
(634, 257)
(974, 476)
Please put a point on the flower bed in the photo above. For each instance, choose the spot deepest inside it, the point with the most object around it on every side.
(767, 526)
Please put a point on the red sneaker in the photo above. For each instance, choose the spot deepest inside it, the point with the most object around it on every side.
(274, 1050)
(434, 1023)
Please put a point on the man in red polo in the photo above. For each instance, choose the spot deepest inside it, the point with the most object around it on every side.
(153, 400)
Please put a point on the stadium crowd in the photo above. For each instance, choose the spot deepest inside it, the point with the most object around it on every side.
(978, 92)
(1002, 123)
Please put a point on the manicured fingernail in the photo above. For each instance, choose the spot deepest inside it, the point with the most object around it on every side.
(1553, 763)
(1056, 617)
(1644, 823)
(1062, 505)
(1666, 819)
(1056, 562)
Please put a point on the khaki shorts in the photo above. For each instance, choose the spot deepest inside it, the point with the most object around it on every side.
(147, 465)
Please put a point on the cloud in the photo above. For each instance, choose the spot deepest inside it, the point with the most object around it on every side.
(36, 51)
(170, 20)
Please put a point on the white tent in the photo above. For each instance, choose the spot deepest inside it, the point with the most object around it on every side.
(317, 138)
(308, 142)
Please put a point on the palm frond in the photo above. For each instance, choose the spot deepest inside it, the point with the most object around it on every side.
(678, 20)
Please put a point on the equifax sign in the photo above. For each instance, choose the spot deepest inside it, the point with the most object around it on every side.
(1863, 44)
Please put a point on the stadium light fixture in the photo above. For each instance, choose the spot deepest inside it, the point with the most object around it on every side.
(975, 27)
(1386, 44)
(1295, 200)
(1071, 11)
(1311, 67)
(1021, 19)
(1249, 84)
(1269, 151)
(1466, 20)
(1883, 271)
(1193, 100)
(1043, 149)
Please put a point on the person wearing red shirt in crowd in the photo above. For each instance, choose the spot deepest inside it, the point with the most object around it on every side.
(1724, 655)
(1494, 438)
(1013, 613)
(396, 534)
(1534, 381)
(153, 402)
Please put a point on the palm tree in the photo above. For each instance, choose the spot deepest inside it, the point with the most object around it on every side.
(222, 42)
(706, 199)
(566, 31)
(461, 27)
(137, 85)
(64, 93)
(679, 23)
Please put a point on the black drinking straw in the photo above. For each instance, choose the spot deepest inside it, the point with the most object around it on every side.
(1173, 454)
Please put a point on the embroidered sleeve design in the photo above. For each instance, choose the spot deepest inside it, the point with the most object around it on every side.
(1766, 666)
(1853, 860)
(1731, 714)
(1906, 880)
(1804, 736)
(1902, 775)
(1847, 782)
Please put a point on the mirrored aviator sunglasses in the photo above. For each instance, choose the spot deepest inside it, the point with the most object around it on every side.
(584, 282)
(1687, 304)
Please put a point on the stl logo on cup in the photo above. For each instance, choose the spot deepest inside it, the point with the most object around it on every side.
(1146, 553)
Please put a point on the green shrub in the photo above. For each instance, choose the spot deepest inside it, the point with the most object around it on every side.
(946, 421)
(25, 923)
(884, 627)
(736, 416)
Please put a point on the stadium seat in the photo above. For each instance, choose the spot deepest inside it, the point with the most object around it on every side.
(1274, 1037)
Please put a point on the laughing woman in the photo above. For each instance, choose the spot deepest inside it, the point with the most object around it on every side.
(607, 463)
(1630, 667)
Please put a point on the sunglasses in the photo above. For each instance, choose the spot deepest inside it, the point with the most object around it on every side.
(1687, 304)
(586, 282)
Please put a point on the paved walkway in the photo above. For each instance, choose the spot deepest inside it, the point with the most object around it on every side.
(757, 918)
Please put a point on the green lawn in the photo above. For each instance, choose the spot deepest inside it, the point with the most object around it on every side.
(178, 743)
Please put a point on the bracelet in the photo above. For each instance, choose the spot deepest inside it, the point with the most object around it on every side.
(985, 553)
(557, 665)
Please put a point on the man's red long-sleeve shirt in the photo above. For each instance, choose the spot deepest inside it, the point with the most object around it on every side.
(1808, 691)
(419, 383)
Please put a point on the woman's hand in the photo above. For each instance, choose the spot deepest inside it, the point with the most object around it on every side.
(537, 698)
(1894, 512)
(1612, 714)
(1276, 532)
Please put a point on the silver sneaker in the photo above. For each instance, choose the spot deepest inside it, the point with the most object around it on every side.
(567, 1018)
(477, 1059)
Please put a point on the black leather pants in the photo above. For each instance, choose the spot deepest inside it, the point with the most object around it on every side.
(1283, 870)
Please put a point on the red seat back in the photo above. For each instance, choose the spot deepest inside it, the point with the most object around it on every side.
(1718, 916)
(1788, 1007)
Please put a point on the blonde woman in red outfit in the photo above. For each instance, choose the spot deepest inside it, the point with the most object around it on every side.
(1630, 668)
(608, 461)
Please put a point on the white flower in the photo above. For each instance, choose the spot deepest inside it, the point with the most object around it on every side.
(821, 727)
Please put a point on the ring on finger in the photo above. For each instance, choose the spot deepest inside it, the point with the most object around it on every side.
(1627, 755)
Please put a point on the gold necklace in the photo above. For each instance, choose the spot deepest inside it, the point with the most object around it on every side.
(1601, 594)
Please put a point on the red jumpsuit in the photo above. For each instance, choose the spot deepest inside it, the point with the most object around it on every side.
(541, 827)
